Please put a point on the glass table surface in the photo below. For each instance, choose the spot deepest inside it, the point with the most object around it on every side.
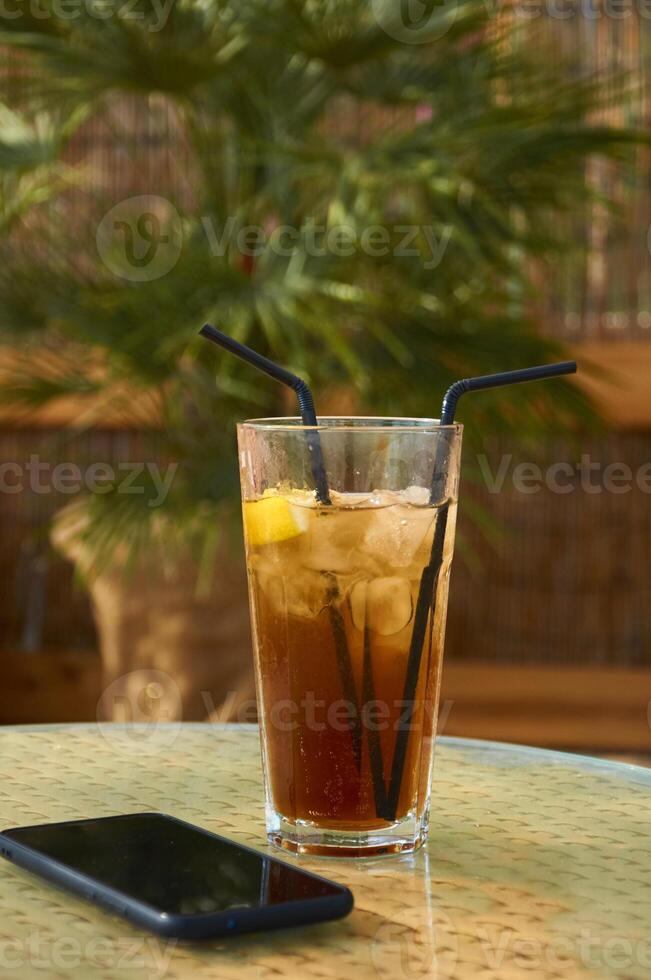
(538, 864)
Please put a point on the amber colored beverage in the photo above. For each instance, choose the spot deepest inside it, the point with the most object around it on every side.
(333, 590)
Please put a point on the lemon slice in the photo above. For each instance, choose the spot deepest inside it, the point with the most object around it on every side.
(271, 520)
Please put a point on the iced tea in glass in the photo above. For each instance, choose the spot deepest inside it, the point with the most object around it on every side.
(333, 590)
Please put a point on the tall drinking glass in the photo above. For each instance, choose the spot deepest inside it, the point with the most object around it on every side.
(347, 737)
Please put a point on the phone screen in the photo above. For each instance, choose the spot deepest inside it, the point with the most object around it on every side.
(171, 866)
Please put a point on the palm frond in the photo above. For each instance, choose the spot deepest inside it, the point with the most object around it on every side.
(483, 163)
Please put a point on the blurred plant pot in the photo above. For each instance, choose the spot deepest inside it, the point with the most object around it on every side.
(168, 652)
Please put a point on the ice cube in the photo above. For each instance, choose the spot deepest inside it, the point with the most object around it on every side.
(357, 600)
(352, 500)
(333, 540)
(301, 593)
(304, 499)
(305, 593)
(416, 496)
(394, 534)
(386, 603)
(271, 585)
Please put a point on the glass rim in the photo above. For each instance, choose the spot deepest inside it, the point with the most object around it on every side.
(352, 423)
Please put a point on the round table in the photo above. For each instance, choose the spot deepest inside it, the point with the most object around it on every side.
(538, 865)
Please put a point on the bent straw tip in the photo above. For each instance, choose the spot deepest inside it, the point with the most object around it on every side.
(538, 373)
(568, 367)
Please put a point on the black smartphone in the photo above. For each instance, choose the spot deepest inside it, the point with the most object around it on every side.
(173, 878)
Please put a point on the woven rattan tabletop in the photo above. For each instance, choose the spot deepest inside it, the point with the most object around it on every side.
(538, 866)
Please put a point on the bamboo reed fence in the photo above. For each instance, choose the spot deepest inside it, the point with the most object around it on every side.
(568, 582)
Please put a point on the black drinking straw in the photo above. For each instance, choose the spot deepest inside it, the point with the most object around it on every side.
(303, 393)
(308, 416)
(459, 388)
(426, 602)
